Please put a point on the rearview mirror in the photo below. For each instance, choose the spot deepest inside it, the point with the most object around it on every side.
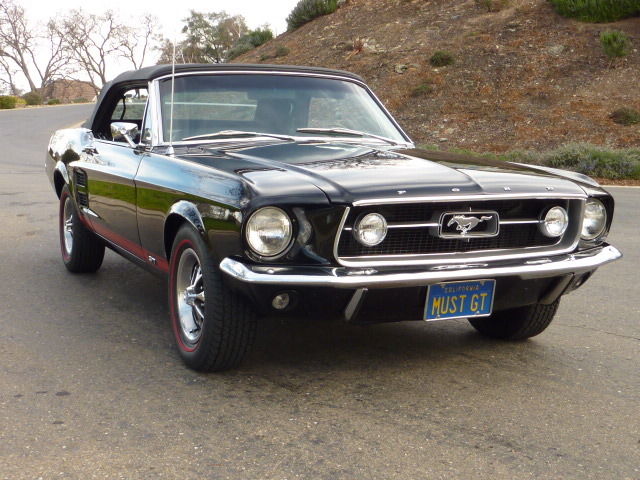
(124, 131)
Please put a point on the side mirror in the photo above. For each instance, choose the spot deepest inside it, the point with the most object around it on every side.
(124, 131)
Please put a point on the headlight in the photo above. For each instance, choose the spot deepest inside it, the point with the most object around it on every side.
(269, 231)
(371, 229)
(595, 219)
(555, 222)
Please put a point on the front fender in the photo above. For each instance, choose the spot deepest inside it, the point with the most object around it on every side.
(218, 226)
(65, 146)
(61, 168)
(189, 212)
(180, 212)
(60, 177)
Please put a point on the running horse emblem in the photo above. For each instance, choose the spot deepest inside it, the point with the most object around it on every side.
(465, 224)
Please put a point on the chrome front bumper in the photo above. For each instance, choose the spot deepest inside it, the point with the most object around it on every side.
(340, 277)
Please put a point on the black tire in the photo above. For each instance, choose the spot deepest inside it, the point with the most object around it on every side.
(82, 251)
(517, 323)
(213, 335)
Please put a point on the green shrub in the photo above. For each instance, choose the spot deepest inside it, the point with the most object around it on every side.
(20, 102)
(257, 37)
(307, 10)
(238, 50)
(80, 100)
(7, 102)
(626, 116)
(32, 98)
(251, 40)
(597, 10)
(492, 5)
(615, 43)
(282, 51)
(441, 58)
(596, 161)
(53, 101)
(591, 160)
(422, 90)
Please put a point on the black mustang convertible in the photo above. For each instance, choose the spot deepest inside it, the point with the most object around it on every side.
(272, 189)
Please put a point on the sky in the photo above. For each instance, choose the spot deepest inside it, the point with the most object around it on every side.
(169, 14)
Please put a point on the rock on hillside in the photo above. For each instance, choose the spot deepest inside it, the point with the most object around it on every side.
(523, 77)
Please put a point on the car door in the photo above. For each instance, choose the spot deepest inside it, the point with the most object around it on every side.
(109, 172)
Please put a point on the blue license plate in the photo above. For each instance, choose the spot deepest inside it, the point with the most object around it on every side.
(459, 299)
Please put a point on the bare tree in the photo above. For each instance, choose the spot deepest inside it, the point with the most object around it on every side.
(19, 44)
(93, 41)
(7, 77)
(89, 40)
(57, 64)
(135, 42)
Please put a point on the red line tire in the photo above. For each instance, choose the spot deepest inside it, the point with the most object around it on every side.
(82, 251)
(213, 326)
(517, 323)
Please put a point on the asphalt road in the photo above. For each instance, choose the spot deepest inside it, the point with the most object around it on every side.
(91, 385)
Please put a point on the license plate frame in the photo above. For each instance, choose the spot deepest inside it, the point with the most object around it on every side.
(450, 307)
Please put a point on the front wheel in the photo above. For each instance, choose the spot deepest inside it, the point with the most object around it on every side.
(82, 251)
(213, 326)
(517, 323)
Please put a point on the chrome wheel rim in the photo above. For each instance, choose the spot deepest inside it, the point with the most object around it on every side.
(67, 226)
(190, 296)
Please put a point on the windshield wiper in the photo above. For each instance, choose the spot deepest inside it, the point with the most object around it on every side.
(237, 133)
(346, 131)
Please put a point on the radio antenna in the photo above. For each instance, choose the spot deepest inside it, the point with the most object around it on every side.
(170, 150)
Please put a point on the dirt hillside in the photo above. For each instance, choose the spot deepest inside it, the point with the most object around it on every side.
(523, 77)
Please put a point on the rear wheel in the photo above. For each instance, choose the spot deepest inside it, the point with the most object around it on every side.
(82, 251)
(213, 326)
(517, 323)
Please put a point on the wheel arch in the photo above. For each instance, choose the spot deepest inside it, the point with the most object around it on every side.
(60, 178)
(180, 213)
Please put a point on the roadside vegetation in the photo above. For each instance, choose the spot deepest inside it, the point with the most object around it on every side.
(615, 44)
(7, 102)
(626, 116)
(307, 10)
(597, 11)
(591, 160)
(32, 98)
(249, 41)
(492, 5)
(442, 58)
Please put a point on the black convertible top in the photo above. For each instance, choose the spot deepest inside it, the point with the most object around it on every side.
(149, 73)
(127, 79)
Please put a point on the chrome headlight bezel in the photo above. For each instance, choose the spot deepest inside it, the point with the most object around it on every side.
(594, 210)
(260, 220)
(555, 222)
(363, 225)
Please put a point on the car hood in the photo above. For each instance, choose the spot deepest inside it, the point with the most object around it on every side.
(348, 173)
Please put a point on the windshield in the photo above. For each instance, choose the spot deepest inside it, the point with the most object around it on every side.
(275, 104)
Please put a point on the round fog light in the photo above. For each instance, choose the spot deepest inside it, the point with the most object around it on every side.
(555, 222)
(371, 229)
(281, 301)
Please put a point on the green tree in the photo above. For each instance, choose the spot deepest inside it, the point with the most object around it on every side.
(208, 38)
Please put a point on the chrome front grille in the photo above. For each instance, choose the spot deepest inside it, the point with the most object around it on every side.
(413, 234)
